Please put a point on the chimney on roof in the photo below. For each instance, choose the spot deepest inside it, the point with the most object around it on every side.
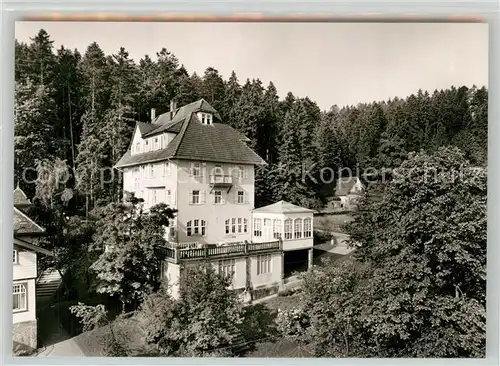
(173, 107)
(153, 114)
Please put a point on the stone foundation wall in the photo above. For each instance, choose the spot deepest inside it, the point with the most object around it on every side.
(24, 337)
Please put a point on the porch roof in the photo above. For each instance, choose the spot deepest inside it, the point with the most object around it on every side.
(282, 207)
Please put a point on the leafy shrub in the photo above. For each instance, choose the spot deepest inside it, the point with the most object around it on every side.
(321, 237)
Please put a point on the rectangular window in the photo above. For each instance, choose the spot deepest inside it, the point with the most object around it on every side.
(227, 268)
(257, 227)
(288, 228)
(15, 257)
(195, 197)
(217, 197)
(263, 264)
(239, 225)
(143, 171)
(276, 229)
(298, 229)
(166, 168)
(196, 227)
(241, 197)
(154, 197)
(245, 225)
(196, 169)
(19, 298)
(168, 197)
(227, 226)
(307, 228)
(233, 225)
(241, 173)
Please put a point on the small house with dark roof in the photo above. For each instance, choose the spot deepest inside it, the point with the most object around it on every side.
(24, 263)
(191, 160)
(347, 192)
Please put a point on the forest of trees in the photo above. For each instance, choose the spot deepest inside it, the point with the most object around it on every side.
(81, 108)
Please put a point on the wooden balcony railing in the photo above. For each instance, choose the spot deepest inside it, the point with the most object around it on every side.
(176, 254)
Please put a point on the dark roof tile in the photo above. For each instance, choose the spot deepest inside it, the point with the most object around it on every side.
(23, 225)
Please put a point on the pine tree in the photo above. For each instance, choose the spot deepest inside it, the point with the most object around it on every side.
(42, 59)
(269, 132)
(231, 96)
(213, 88)
(22, 62)
(33, 131)
(96, 85)
(68, 84)
(187, 92)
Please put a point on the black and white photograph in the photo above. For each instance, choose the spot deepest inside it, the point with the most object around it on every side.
(250, 189)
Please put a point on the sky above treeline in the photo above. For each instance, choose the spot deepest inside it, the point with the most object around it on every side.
(332, 63)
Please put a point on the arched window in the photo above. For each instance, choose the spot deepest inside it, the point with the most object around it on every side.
(307, 228)
(297, 228)
(288, 228)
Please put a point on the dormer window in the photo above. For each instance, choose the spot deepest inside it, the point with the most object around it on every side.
(206, 118)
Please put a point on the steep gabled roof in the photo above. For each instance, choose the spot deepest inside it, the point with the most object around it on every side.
(282, 207)
(345, 184)
(216, 142)
(20, 198)
(163, 122)
(144, 128)
(23, 225)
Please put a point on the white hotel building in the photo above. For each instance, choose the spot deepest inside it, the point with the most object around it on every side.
(190, 160)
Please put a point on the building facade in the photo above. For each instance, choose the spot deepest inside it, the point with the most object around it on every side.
(24, 275)
(204, 169)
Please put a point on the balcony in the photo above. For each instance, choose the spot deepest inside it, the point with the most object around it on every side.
(177, 255)
(221, 181)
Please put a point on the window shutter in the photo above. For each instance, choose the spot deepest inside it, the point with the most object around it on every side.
(202, 198)
(190, 197)
(245, 195)
(213, 198)
(223, 198)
